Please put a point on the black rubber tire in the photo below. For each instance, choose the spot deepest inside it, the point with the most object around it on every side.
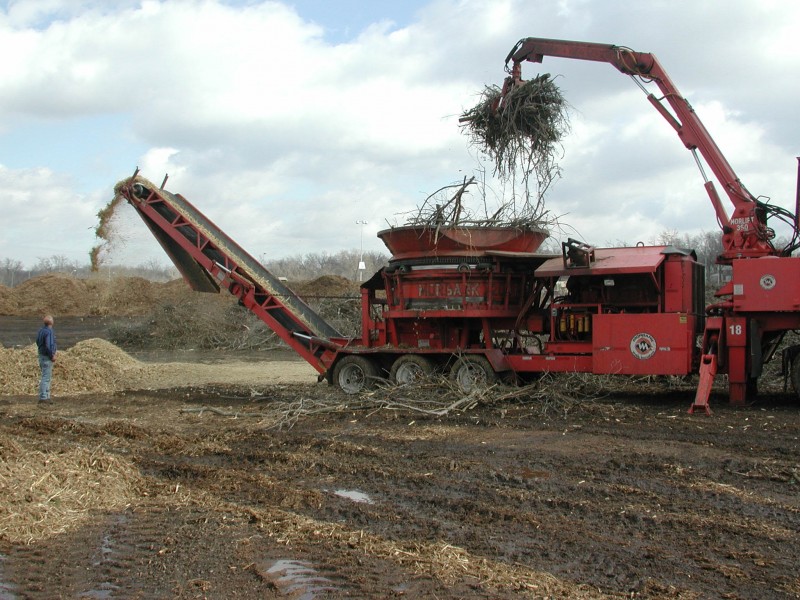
(410, 368)
(794, 374)
(472, 371)
(355, 374)
(752, 388)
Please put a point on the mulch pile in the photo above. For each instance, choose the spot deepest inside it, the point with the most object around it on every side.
(326, 286)
(65, 296)
(47, 493)
(89, 366)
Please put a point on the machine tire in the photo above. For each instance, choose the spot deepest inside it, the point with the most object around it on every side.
(471, 372)
(355, 374)
(410, 368)
(794, 373)
(752, 388)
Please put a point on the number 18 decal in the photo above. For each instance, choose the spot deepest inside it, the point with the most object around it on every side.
(735, 329)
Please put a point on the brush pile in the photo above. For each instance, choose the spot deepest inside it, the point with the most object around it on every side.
(446, 207)
(521, 131)
(453, 206)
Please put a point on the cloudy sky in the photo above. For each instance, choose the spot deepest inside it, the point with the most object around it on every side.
(288, 122)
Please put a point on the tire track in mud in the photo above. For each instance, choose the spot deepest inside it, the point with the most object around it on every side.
(239, 483)
(628, 513)
(94, 562)
(410, 505)
(639, 504)
(146, 553)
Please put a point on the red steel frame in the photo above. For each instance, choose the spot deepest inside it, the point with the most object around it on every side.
(735, 341)
(744, 232)
(187, 244)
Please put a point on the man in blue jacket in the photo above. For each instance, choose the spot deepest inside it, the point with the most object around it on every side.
(46, 342)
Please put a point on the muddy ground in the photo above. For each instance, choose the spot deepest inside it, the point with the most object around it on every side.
(624, 497)
(17, 332)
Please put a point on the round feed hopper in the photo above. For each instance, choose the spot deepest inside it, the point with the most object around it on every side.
(426, 242)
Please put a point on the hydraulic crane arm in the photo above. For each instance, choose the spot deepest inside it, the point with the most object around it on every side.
(745, 231)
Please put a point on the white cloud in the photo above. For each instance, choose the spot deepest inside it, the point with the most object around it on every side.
(47, 217)
(285, 139)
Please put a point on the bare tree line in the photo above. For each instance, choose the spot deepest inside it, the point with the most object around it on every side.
(14, 272)
(300, 267)
(344, 263)
(304, 267)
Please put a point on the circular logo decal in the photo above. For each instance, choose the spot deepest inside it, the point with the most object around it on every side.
(768, 281)
(643, 346)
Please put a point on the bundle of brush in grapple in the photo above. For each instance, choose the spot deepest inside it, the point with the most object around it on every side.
(520, 131)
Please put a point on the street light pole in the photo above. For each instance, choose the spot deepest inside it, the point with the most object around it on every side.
(361, 265)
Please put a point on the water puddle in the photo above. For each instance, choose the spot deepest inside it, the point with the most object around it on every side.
(104, 592)
(355, 496)
(105, 550)
(6, 589)
(105, 554)
(299, 579)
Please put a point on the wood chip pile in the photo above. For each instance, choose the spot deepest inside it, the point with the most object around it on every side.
(65, 296)
(326, 286)
(47, 493)
(90, 366)
(35, 296)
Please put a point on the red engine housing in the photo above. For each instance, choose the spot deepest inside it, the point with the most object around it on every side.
(450, 291)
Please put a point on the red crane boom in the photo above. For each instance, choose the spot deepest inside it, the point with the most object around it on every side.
(745, 231)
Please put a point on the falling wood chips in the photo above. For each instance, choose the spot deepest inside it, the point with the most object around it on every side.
(105, 232)
(524, 131)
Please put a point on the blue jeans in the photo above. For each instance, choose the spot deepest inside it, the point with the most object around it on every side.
(47, 374)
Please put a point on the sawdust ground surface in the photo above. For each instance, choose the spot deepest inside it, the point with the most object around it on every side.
(628, 497)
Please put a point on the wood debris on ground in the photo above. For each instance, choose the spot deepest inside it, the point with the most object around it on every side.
(47, 493)
(437, 396)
